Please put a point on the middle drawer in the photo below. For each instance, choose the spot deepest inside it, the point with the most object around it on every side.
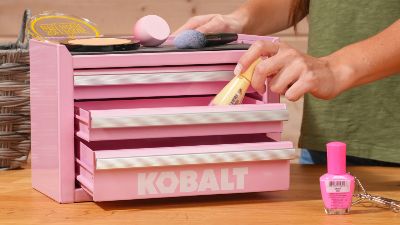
(174, 117)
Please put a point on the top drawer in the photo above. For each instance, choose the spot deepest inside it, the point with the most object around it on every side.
(174, 117)
(189, 57)
(151, 81)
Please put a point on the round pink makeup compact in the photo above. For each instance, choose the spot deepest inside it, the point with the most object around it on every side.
(151, 30)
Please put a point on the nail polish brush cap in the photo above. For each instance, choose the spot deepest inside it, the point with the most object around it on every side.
(336, 154)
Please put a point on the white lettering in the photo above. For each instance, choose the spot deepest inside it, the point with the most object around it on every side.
(240, 173)
(208, 181)
(225, 184)
(188, 181)
(167, 182)
(146, 184)
(164, 188)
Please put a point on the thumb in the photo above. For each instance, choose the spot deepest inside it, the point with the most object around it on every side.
(256, 50)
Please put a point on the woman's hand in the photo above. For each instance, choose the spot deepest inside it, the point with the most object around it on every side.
(291, 72)
(214, 23)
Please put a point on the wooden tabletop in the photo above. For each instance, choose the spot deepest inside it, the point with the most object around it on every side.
(302, 204)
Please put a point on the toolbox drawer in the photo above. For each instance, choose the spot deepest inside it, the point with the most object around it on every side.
(154, 172)
(174, 117)
(151, 81)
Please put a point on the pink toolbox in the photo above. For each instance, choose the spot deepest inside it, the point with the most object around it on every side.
(109, 127)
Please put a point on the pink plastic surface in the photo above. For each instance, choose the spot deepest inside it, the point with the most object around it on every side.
(224, 145)
(336, 155)
(52, 115)
(169, 182)
(164, 182)
(82, 195)
(147, 90)
(177, 141)
(188, 68)
(156, 182)
(52, 108)
(156, 59)
(87, 112)
(153, 89)
(221, 177)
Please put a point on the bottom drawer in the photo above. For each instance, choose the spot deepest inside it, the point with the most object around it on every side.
(154, 172)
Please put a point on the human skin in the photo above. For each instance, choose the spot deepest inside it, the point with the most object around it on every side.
(293, 73)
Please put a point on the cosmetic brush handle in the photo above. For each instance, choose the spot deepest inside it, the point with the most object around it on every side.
(220, 38)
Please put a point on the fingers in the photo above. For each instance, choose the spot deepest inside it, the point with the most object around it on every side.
(285, 65)
(194, 23)
(218, 23)
(215, 25)
(265, 68)
(212, 23)
(293, 73)
(256, 50)
(302, 81)
(283, 80)
(297, 90)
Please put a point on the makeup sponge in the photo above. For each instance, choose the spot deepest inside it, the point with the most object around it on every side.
(190, 39)
(151, 30)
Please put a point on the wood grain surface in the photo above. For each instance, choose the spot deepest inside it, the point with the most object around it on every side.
(302, 204)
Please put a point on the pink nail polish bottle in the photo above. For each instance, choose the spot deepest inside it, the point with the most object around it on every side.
(337, 186)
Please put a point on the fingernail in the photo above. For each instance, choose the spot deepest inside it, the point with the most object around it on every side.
(238, 69)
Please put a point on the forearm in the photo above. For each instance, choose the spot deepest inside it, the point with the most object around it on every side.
(369, 60)
(263, 17)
